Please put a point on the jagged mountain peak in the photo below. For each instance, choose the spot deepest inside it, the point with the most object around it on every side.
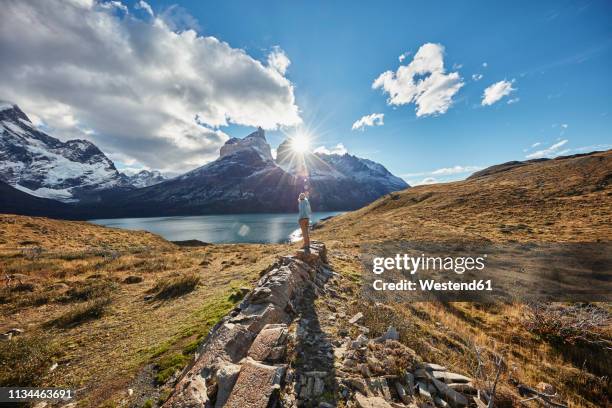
(255, 141)
(11, 112)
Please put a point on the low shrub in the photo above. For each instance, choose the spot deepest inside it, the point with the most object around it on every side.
(174, 287)
(93, 309)
(25, 360)
(132, 279)
(83, 291)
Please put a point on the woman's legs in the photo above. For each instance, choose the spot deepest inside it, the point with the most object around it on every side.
(304, 226)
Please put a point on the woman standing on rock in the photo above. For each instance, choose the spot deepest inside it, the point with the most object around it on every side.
(304, 219)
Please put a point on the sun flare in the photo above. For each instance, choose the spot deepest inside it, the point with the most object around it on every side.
(300, 143)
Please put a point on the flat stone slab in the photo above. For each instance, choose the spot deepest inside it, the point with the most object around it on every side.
(256, 385)
(449, 377)
(268, 341)
(371, 402)
(451, 396)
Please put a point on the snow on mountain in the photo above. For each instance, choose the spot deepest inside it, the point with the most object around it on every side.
(363, 170)
(43, 166)
(145, 178)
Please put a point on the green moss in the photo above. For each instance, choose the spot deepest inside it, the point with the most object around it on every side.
(168, 365)
(191, 347)
(203, 319)
(148, 404)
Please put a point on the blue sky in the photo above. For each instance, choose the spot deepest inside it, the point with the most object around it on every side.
(555, 56)
(559, 54)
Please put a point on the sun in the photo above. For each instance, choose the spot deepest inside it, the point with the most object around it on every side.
(300, 143)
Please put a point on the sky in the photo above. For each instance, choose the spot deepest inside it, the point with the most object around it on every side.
(432, 90)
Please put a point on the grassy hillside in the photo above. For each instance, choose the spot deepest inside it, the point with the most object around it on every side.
(105, 311)
(560, 200)
(78, 291)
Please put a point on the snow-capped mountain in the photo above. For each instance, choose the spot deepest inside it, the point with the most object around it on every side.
(43, 166)
(245, 178)
(145, 178)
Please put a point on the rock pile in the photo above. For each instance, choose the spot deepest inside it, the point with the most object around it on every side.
(241, 362)
(382, 372)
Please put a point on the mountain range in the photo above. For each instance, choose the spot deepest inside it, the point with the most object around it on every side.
(44, 166)
(245, 178)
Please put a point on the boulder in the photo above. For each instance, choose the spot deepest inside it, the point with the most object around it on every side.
(434, 367)
(226, 378)
(192, 395)
(449, 377)
(451, 396)
(465, 388)
(390, 334)
(269, 343)
(370, 402)
(357, 317)
(257, 385)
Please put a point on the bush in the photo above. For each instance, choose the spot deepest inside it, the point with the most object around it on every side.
(91, 310)
(132, 279)
(577, 324)
(83, 291)
(582, 333)
(24, 361)
(175, 287)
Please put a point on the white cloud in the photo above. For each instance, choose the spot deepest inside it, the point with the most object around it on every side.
(484, 64)
(553, 150)
(374, 119)
(109, 5)
(423, 82)
(427, 180)
(513, 100)
(536, 144)
(403, 56)
(476, 77)
(135, 87)
(496, 92)
(338, 149)
(143, 5)
(455, 170)
(446, 171)
(457, 66)
(278, 60)
(442, 175)
(564, 125)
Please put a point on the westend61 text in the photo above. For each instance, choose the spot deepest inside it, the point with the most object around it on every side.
(431, 285)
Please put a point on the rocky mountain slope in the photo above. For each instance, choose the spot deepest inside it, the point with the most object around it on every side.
(43, 166)
(245, 178)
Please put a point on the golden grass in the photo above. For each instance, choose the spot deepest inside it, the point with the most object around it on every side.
(103, 329)
(564, 200)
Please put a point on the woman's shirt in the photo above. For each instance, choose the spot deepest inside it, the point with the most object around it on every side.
(304, 207)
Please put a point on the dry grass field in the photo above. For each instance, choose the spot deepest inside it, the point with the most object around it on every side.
(563, 200)
(78, 291)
